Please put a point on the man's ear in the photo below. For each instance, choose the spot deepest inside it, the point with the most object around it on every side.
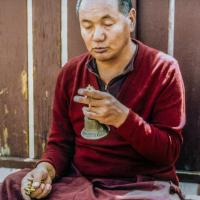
(132, 17)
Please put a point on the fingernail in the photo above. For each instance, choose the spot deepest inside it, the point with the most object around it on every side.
(80, 91)
(30, 178)
(42, 186)
(76, 99)
(36, 184)
(84, 109)
(48, 187)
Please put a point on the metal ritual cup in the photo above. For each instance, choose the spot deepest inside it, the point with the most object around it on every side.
(93, 130)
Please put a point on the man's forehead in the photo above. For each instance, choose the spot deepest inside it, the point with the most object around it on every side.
(87, 5)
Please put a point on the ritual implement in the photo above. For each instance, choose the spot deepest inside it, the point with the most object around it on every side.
(93, 130)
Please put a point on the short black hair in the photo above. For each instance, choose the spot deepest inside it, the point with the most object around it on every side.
(124, 6)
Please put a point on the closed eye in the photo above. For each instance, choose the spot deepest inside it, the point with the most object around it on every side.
(86, 24)
(108, 24)
(87, 27)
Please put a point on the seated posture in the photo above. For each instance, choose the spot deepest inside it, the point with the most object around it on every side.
(118, 113)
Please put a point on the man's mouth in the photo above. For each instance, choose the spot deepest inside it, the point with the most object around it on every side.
(100, 49)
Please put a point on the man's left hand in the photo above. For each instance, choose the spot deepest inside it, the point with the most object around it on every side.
(102, 107)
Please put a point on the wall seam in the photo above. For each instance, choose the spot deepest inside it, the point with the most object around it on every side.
(30, 80)
(171, 27)
(64, 31)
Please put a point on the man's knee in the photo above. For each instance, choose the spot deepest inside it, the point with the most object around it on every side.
(11, 186)
(13, 181)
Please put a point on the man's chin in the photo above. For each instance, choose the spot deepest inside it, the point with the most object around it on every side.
(102, 58)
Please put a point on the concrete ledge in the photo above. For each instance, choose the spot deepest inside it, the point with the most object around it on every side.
(20, 163)
(5, 172)
(192, 197)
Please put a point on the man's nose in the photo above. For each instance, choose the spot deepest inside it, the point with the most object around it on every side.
(99, 34)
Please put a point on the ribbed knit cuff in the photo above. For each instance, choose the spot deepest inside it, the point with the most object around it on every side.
(128, 128)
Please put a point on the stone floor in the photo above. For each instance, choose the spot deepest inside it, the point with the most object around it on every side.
(191, 190)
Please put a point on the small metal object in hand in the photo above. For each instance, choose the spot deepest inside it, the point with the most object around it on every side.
(29, 189)
(93, 130)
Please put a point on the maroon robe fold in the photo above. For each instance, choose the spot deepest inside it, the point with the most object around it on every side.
(147, 143)
(77, 187)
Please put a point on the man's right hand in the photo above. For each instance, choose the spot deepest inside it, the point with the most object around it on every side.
(41, 178)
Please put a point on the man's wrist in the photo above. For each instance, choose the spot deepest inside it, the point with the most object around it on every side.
(49, 167)
(123, 117)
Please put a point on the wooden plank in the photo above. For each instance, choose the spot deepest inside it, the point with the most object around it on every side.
(187, 51)
(47, 61)
(134, 4)
(76, 45)
(19, 163)
(13, 79)
(152, 28)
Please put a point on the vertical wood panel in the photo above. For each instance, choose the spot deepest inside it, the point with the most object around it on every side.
(13, 79)
(47, 61)
(187, 51)
(153, 23)
(76, 45)
(134, 4)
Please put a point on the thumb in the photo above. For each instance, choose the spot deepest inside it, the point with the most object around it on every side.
(38, 177)
(48, 180)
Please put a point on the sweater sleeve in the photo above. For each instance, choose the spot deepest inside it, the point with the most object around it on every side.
(59, 148)
(159, 140)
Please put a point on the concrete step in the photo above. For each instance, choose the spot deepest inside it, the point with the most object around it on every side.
(5, 172)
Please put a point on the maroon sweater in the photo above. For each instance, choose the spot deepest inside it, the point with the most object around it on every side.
(147, 143)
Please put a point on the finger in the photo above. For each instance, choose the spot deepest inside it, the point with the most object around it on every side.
(42, 187)
(100, 111)
(38, 177)
(89, 101)
(95, 94)
(89, 114)
(46, 191)
(48, 180)
(90, 110)
(81, 99)
(38, 191)
(98, 114)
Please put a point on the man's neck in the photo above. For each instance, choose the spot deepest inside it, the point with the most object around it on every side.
(110, 69)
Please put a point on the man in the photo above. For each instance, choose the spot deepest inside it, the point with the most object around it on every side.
(136, 93)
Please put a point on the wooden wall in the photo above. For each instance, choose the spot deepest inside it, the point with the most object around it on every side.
(13, 79)
(152, 29)
(187, 51)
(152, 23)
(14, 137)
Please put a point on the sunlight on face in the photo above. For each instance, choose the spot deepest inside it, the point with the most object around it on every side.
(105, 30)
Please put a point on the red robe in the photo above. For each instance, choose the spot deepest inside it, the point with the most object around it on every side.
(136, 160)
(147, 144)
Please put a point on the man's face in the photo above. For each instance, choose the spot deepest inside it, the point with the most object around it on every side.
(105, 30)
